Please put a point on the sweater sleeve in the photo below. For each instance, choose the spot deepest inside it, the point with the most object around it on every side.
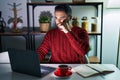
(79, 40)
(43, 49)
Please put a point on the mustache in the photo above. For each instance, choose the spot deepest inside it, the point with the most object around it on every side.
(59, 23)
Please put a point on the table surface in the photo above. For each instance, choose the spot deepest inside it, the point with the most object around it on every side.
(7, 74)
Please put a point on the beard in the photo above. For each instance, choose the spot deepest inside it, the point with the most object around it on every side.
(59, 24)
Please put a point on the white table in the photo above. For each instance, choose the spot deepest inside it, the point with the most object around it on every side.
(7, 74)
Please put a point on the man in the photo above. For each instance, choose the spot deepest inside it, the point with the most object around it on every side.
(68, 44)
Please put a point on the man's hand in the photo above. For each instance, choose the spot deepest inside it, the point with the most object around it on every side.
(65, 27)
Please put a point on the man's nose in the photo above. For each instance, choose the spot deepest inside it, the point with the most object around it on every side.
(58, 20)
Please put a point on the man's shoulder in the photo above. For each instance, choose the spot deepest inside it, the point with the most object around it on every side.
(78, 29)
(52, 30)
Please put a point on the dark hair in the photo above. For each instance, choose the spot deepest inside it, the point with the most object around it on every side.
(64, 7)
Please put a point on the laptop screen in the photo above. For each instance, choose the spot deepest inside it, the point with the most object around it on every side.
(27, 62)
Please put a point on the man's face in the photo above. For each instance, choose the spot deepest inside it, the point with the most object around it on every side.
(60, 16)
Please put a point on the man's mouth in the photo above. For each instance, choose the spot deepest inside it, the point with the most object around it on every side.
(59, 24)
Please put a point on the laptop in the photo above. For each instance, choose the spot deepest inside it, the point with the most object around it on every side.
(27, 62)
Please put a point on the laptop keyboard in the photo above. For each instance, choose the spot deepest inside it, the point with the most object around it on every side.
(45, 70)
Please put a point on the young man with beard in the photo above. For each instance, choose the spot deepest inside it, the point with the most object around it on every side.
(68, 43)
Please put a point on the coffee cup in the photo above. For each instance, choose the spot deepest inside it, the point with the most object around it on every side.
(63, 69)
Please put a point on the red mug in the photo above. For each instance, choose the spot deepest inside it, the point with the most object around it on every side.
(63, 69)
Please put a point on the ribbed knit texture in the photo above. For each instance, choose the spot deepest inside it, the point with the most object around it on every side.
(66, 48)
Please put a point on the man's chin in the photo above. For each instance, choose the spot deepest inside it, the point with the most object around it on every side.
(58, 26)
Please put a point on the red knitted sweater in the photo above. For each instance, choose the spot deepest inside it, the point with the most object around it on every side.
(65, 47)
